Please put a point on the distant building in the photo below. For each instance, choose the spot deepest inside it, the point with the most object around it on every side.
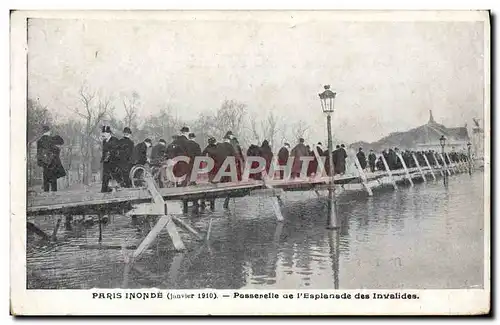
(424, 137)
(456, 137)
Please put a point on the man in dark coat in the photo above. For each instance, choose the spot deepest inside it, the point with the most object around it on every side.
(45, 156)
(283, 155)
(361, 158)
(158, 157)
(211, 151)
(224, 150)
(182, 147)
(372, 158)
(337, 161)
(267, 153)
(126, 156)
(392, 159)
(194, 150)
(110, 158)
(342, 158)
(254, 151)
(298, 151)
(240, 161)
(158, 153)
(141, 152)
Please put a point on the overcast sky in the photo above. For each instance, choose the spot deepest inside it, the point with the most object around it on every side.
(387, 74)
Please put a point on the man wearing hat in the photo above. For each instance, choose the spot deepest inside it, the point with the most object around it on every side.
(297, 152)
(110, 159)
(194, 150)
(159, 152)
(211, 151)
(126, 156)
(141, 152)
(283, 155)
(361, 158)
(372, 158)
(45, 156)
(158, 157)
(181, 145)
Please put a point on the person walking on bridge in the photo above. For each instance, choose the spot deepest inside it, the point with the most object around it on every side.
(110, 159)
(298, 151)
(141, 152)
(45, 152)
(254, 151)
(372, 158)
(283, 155)
(182, 148)
(361, 158)
(267, 153)
(224, 150)
(194, 150)
(126, 146)
(211, 151)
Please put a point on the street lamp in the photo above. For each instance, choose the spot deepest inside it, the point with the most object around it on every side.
(327, 98)
(469, 147)
(442, 142)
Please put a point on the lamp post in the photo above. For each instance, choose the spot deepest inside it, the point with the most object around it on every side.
(469, 147)
(442, 142)
(327, 98)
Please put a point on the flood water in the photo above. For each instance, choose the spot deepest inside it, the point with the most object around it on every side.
(427, 236)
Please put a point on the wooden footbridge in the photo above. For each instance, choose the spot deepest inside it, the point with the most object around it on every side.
(167, 203)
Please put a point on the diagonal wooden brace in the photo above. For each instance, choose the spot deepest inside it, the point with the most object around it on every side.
(160, 208)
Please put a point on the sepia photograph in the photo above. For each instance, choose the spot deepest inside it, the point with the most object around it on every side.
(329, 154)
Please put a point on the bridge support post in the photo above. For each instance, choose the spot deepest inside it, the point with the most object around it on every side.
(447, 169)
(441, 169)
(362, 176)
(451, 164)
(419, 168)
(389, 173)
(164, 210)
(463, 162)
(408, 176)
(430, 167)
(99, 221)
(275, 201)
(67, 221)
(226, 202)
(54, 233)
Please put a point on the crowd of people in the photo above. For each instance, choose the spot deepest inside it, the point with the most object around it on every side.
(392, 157)
(119, 156)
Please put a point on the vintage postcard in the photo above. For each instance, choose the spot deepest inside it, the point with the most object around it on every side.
(250, 163)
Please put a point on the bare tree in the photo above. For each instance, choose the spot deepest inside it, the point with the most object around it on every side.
(300, 129)
(230, 116)
(131, 105)
(95, 109)
(270, 126)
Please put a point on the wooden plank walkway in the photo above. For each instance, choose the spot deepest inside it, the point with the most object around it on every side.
(72, 201)
(86, 202)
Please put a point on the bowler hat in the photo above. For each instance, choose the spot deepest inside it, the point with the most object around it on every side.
(127, 130)
(185, 129)
(162, 140)
(148, 140)
(192, 135)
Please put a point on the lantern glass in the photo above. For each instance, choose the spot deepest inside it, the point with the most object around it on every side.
(442, 141)
(327, 99)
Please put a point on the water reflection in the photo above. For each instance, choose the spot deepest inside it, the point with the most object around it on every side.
(426, 236)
